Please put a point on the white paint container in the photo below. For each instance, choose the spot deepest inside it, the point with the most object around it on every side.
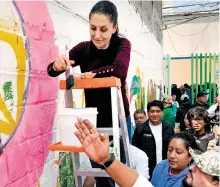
(66, 119)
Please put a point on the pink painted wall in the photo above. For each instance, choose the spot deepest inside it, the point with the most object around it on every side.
(22, 161)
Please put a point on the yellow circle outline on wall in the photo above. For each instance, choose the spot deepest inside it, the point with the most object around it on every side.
(17, 44)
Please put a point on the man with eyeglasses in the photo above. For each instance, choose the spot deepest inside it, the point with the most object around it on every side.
(153, 136)
(200, 126)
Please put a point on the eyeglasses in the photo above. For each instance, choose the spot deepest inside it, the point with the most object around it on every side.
(198, 120)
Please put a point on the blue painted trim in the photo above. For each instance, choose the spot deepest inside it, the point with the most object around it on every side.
(184, 58)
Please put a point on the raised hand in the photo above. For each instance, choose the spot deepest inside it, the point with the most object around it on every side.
(96, 145)
(62, 63)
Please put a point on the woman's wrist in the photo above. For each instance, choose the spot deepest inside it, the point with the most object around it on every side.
(106, 159)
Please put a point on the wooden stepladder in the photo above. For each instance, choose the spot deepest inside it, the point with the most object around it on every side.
(118, 117)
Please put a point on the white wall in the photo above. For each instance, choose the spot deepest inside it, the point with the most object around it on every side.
(146, 51)
(198, 36)
(24, 159)
(206, 41)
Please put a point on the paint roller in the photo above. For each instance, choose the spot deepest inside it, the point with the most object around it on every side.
(69, 82)
(69, 75)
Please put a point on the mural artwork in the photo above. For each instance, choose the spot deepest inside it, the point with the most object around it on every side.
(138, 89)
(27, 103)
(28, 97)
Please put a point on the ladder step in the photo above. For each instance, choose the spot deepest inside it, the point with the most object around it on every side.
(92, 83)
(108, 131)
(95, 172)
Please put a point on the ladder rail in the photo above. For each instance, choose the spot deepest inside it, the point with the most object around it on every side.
(68, 94)
(76, 166)
(124, 129)
(95, 172)
(75, 156)
(118, 117)
(115, 122)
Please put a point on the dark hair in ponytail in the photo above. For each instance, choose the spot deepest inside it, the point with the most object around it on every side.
(189, 140)
(106, 8)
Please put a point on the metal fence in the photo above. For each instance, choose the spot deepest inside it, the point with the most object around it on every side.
(204, 70)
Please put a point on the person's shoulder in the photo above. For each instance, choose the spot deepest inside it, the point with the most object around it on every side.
(80, 47)
(194, 105)
(138, 152)
(124, 41)
(167, 127)
(207, 106)
(164, 163)
(138, 130)
(139, 127)
(179, 109)
(165, 110)
(84, 44)
(170, 111)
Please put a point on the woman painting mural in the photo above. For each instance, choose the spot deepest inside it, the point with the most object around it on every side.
(105, 55)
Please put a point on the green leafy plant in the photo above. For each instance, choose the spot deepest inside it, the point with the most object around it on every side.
(66, 174)
(8, 93)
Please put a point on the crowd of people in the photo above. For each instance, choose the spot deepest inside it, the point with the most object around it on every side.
(172, 127)
(185, 165)
(178, 147)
